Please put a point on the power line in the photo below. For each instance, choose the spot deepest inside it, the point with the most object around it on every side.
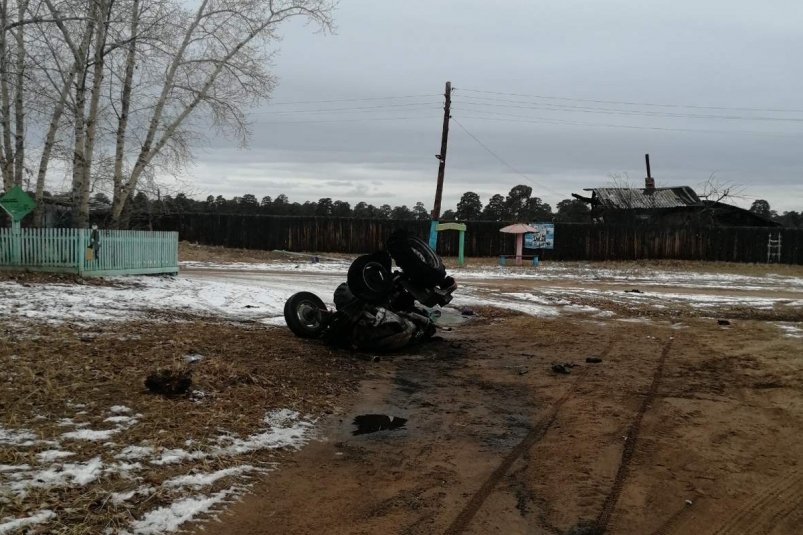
(427, 105)
(502, 160)
(632, 103)
(503, 117)
(356, 120)
(291, 102)
(644, 113)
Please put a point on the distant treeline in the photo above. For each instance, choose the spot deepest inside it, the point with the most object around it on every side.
(518, 204)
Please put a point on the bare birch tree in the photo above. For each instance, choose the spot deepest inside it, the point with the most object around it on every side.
(130, 83)
(217, 67)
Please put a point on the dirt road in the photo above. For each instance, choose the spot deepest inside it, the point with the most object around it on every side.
(682, 428)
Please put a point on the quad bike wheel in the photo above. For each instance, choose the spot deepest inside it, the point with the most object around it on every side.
(304, 313)
(369, 278)
(415, 257)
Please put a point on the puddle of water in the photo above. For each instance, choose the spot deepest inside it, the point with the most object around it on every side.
(371, 423)
(448, 317)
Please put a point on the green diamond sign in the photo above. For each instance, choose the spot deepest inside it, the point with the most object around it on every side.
(17, 203)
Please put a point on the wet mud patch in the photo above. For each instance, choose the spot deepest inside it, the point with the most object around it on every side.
(372, 423)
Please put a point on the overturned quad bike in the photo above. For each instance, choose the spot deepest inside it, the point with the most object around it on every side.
(378, 309)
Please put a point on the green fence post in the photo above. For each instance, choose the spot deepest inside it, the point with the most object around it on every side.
(461, 243)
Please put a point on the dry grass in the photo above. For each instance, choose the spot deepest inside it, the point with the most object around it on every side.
(54, 372)
(209, 253)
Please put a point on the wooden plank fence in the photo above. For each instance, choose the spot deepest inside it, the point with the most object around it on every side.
(121, 252)
(573, 241)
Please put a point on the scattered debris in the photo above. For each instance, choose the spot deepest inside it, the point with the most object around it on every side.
(192, 358)
(689, 502)
(593, 360)
(565, 367)
(523, 370)
(371, 423)
(169, 382)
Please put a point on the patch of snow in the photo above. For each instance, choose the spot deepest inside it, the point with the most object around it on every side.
(118, 498)
(178, 455)
(277, 321)
(304, 266)
(14, 467)
(13, 525)
(285, 430)
(790, 330)
(68, 474)
(469, 299)
(90, 434)
(135, 452)
(127, 420)
(204, 479)
(19, 437)
(119, 409)
(66, 422)
(123, 468)
(135, 296)
(166, 519)
(51, 455)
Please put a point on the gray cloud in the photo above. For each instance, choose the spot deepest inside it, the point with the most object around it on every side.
(711, 54)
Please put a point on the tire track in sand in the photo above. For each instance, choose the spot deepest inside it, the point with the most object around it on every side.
(774, 503)
(466, 515)
(633, 431)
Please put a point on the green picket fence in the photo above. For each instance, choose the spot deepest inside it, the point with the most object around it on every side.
(121, 252)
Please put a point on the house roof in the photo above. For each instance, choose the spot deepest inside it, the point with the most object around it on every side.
(636, 198)
(729, 214)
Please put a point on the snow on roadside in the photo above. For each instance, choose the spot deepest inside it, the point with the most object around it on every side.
(791, 330)
(13, 525)
(303, 266)
(206, 479)
(20, 437)
(135, 296)
(282, 428)
(90, 434)
(643, 276)
(243, 293)
(166, 519)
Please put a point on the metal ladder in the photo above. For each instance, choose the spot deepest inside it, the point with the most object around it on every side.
(774, 248)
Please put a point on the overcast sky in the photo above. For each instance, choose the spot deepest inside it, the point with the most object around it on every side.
(558, 95)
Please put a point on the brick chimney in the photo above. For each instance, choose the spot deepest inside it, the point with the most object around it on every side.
(649, 182)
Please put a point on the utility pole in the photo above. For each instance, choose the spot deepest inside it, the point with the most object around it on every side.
(436, 210)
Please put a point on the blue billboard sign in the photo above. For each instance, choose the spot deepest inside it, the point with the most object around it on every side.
(543, 238)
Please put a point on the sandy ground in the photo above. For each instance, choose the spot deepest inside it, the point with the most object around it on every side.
(690, 428)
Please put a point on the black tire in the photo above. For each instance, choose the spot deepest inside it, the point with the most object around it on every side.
(416, 259)
(304, 314)
(369, 278)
